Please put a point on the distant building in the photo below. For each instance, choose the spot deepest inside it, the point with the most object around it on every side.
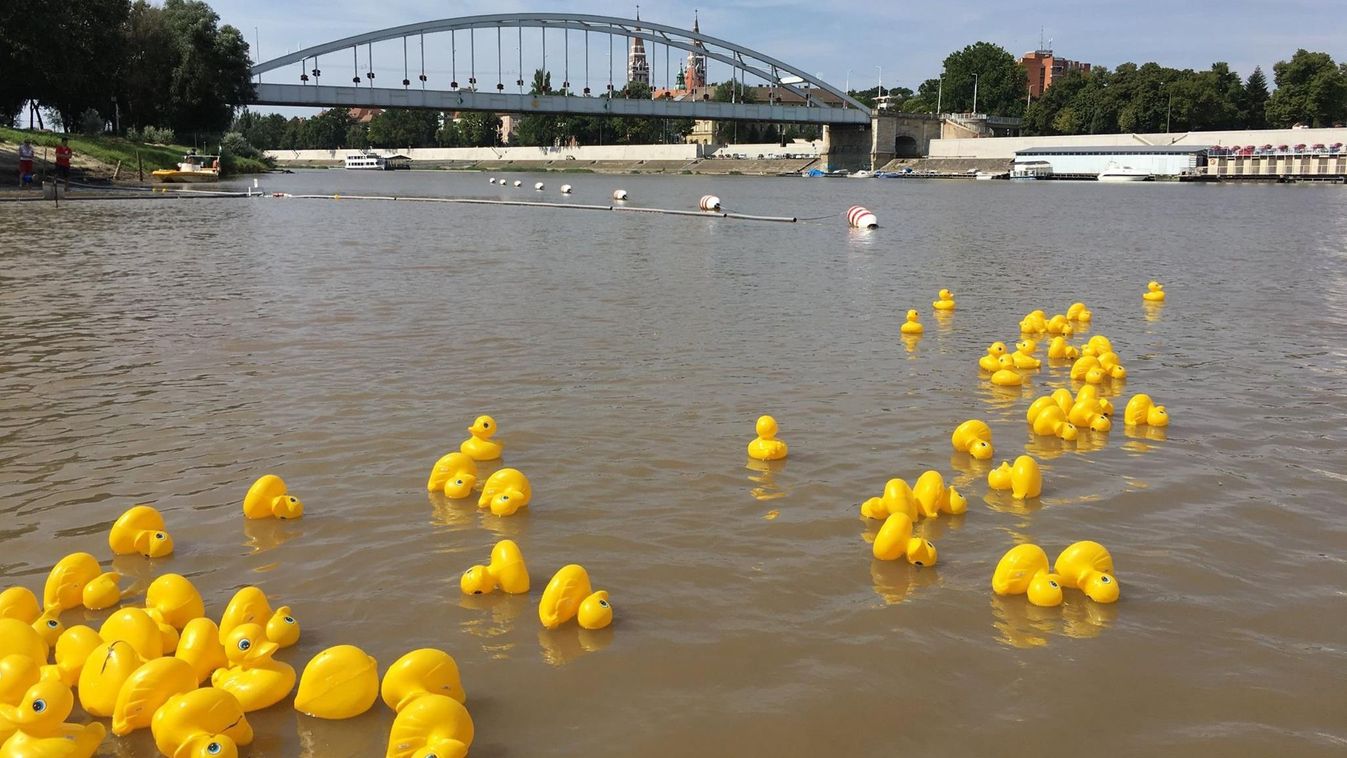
(364, 115)
(638, 68)
(695, 74)
(1043, 67)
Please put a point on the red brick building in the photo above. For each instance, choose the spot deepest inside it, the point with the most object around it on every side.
(1043, 67)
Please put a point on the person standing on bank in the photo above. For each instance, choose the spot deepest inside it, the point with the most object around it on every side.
(63, 153)
(25, 163)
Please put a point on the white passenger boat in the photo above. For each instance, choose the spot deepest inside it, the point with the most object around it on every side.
(372, 161)
(1117, 173)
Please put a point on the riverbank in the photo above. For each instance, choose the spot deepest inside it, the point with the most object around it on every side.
(103, 158)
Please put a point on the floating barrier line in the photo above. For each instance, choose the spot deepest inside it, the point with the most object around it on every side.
(532, 204)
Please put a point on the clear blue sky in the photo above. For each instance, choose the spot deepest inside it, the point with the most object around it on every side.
(908, 39)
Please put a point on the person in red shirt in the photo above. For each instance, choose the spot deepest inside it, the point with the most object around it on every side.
(63, 153)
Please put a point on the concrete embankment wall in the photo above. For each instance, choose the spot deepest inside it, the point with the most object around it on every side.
(627, 153)
(950, 166)
(1005, 147)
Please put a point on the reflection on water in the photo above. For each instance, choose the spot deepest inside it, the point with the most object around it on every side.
(764, 479)
(910, 342)
(349, 344)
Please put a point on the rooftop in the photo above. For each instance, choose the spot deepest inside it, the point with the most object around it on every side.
(1117, 150)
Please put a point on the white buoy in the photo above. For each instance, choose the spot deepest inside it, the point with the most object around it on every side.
(538, 186)
(619, 194)
(492, 180)
(518, 183)
(565, 189)
(861, 218)
(709, 203)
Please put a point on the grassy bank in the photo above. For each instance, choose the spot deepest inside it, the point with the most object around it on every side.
(108, 150)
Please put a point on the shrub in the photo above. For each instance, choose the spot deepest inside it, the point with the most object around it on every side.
(91, 122)
(235, 143)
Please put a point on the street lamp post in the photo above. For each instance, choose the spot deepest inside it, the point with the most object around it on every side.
(975, 94)
(940, 94)
(881, 80)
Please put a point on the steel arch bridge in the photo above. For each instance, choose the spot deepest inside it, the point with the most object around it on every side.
(744, 65)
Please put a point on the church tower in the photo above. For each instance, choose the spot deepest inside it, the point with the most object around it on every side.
(638, 69)
(696, 69)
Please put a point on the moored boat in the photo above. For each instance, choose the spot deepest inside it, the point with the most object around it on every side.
(191, 169)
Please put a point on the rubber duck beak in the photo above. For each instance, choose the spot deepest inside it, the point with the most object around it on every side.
(262, 651)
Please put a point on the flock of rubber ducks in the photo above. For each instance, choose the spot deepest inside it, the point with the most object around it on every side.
(1024, 570)
(168, 667)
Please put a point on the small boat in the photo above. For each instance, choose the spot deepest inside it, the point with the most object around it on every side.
(1029, 171)
(862, 174)
(816, 172)
(372, 161)
(191, 169)
(1116, 173)
(985, 176)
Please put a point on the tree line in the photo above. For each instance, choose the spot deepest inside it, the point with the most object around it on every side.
(132, 65)
(1310, 90)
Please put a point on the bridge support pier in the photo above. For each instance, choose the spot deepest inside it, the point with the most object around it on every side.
(901, 135)
(846, 146)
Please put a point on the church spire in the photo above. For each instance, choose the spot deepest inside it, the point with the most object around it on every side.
(638, 68)
(696, 69)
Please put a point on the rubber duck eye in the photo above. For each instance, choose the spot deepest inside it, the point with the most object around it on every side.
(53, 623)
(458, 481)
(289, 619)
(485, 425)
(504, 497)
(39, 705)
(245, 644)
(159, 535)
(213, 748)
(1053, 584)
(1103, 579)
(293, 500)
(917, 563)
(603, 603)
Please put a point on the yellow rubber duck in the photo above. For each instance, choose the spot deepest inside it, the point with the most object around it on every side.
(1059, 324)
(1078, 312)
(248, 606)
(201, 648)
(1006, 375)
(766, 447)
(912, 326)
(930, 493)
(18, 638)
(1026, 480)
(999, 477)
(505, 492)
(188, 724)
(1085, 413)
(973, 437)
(991, 362)
(102, 592)
(1024, 570)
(479, 446)
(897, 498)
(140, 530)
(945, 301)
(431, 725)
(135, 627)
(1034, 323)
(65, 583)
(895, 540)
(1142, 411)
(1155, 292)
(1084, 365)
(282, 628)
(1050, 421)
(19, 603)
(1097, 346)
(253, 676)
(569, 595)
(39, 728)
(1024, 354)
(176, 600)
(148, 688)
(73, 648)
(454, 474)
(104, 672)
(1058, 349)
(506, 571)
(341, 682)
(49, 627)
(421, 672)
(17, 674)
(269, 498)
(1087, 566)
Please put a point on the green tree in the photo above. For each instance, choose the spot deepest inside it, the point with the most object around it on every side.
(263, 132)
(538, 129)
(1255, 100)
(327, 130)
(479, 129)
(357, 137)
(64, 55)
(211, 75)
(1311, 90)
(404, 127)
(1002, 84)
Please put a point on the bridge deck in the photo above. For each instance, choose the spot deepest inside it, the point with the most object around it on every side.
(323, 96)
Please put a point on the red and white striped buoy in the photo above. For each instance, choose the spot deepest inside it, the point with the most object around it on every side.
(709, 203)
(861, 218)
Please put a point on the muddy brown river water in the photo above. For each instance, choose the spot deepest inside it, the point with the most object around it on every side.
(171, 352)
